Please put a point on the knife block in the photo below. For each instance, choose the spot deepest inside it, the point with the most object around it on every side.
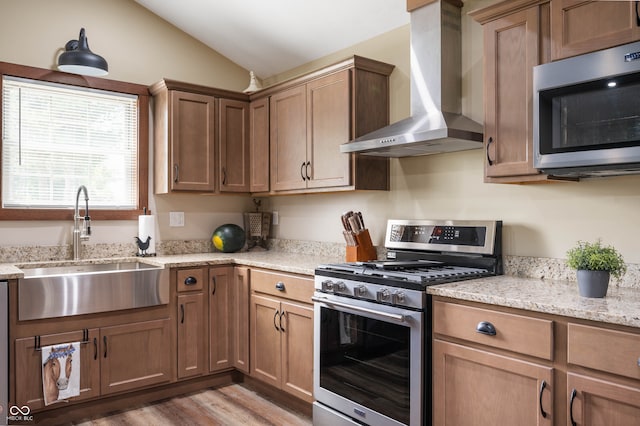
(364, 251)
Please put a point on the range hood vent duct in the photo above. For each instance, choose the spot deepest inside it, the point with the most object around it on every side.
(436, 124)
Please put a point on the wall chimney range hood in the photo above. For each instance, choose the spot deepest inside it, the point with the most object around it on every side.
(436, 124)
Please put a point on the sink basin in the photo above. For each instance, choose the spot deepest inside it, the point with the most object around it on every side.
(89, 268)
(57, 291)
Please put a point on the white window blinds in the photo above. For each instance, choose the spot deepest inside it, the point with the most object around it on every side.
(57, 137)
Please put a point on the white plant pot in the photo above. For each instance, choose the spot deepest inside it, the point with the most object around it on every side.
(593, 283)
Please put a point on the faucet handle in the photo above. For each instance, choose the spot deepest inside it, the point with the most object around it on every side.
(86, 228)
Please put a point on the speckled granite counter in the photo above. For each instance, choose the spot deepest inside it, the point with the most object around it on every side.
(282, 261)
(620, 306)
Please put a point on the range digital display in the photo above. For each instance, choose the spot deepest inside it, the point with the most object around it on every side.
(440, 234)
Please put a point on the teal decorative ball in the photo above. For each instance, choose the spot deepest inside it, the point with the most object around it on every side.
(228, 238)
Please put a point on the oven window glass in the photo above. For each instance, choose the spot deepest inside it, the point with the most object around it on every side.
(593, 116)
(366, 361)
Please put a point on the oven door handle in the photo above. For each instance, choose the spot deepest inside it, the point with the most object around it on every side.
(395, 317)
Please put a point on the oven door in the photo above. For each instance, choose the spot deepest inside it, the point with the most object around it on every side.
(369, 360)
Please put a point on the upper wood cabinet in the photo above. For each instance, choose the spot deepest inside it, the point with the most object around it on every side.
(259, 145)
(201, 136)
(585, 26)
(514, 42)
(233, 125)
(311, 116)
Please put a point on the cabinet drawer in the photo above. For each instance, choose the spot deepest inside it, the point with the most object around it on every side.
(612, 351)
(294, 287)
(517, 333)
(186, 277)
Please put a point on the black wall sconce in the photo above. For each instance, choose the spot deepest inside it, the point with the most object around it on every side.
(78, 59)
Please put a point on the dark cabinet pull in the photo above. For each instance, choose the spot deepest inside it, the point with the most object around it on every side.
(281, 327)
(215, 285)
(485, 327)
(224, 175)
(307, 170)
(489, 160)
(190, 281)
(274, 320)
(104, 340)
(175, 173)
(301, 172)
(637, 14)
(182, 314)
(571, 399)
(542, 386)
(95, 348)
(280, 286)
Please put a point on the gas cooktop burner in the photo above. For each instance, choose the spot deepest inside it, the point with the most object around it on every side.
(419, 272)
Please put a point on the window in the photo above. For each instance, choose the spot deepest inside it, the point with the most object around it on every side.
(56, 137)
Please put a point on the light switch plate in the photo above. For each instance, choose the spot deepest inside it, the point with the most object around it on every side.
(176, 218)
(275, 218)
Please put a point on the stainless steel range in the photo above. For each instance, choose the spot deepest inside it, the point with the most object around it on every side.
(372, 334)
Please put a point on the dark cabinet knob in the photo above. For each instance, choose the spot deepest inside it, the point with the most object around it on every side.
(280, 286)
(190, 281)
(486, 328)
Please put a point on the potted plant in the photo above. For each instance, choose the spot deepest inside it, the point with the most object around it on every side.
(594, 264)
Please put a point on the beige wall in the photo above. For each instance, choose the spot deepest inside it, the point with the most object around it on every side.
(540, 220)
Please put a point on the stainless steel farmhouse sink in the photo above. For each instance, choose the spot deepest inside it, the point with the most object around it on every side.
(57, 291)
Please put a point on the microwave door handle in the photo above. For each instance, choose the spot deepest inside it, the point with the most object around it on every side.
(394, 317)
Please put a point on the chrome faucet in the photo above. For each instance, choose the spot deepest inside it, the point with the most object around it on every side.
(81, 234)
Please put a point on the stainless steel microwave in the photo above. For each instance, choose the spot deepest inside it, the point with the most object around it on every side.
(586, 114)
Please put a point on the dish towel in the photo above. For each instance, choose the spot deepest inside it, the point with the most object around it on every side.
(60, 372)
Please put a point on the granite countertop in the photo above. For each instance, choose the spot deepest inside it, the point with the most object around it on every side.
(281, 261)
(620, 306)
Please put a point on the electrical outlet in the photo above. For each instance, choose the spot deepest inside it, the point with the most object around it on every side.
(275, 218)
(176, 218)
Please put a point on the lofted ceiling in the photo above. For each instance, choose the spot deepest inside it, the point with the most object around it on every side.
(272, 36)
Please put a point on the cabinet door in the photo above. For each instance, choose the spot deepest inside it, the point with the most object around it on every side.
(28, 368)
(234, 145)
(259, 150)
(586, 26)
(192, 160)
(240, 319)
(600, 402)
(220, 306)
(297, 350)
(266, 364)
(288, 130)
(192, 338)
(474, 387)
(511, 50)
(135, 355)
(328, 127)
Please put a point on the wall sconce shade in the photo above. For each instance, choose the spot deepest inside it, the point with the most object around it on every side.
(78, 59)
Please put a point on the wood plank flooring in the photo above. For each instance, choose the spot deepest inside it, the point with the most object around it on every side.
(226, 406)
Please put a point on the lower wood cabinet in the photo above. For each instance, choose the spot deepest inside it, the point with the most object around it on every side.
(571, 372)
(603, 380)
(239, 319)
(28, 367)
(192, 338)
(474, 386)
(282, 332)
(134, 356)
(113, 359)
(221, 282)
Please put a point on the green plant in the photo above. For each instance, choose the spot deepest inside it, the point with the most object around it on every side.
(596, 257)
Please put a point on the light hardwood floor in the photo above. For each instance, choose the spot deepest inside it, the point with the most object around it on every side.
(226, 406)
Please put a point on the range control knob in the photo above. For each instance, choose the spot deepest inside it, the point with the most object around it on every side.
(339, 286)
(399, 297)
(360, 290)
(383, 295)
(327, 285)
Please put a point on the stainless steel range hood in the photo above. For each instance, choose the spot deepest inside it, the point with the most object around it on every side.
(436, 124)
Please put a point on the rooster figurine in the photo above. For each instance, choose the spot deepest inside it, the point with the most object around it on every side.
(143, 245)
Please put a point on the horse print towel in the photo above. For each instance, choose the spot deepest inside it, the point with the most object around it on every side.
(60, 372)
